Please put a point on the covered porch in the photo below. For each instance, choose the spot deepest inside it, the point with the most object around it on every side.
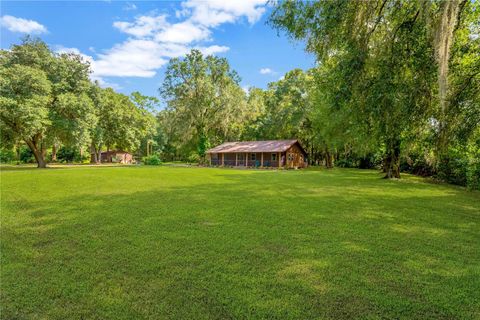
(250, 159)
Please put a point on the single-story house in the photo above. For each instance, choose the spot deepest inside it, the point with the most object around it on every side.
(272, 153)
(117, 156)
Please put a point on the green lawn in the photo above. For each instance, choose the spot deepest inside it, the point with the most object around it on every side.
(201, 243)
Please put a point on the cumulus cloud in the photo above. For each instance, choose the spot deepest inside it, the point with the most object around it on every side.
(184, 32)
(266, 71)
(213, 49)
(154, 39)
(143, 26)
(102, 82)
(215, 12)
(21, 25)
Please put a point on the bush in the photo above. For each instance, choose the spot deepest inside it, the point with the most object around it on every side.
(193, 158)
(71, 154)
(26, 155)
(473, 175)
(152, 160)
(417, 164)
(453, 167)
(346, 163)
(65, 154)
(6, 156)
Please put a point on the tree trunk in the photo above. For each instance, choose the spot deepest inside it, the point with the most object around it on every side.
(93, 151)
(17, 149)
(109, 157)
(97, 154)
(54, 152)
(391, 163)
(328, 159)
(38, 154)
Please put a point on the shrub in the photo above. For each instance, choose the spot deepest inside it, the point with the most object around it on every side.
(453, 167)
(193, 158)
(26, 155)
(152, 160)
(473, 175)
(6, 155)
(416, 163)
(346, 163)
(66, 154)
(71, 154)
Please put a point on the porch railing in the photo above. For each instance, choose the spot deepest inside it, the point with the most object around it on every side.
(243, 163)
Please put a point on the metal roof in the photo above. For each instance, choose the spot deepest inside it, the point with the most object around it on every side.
(254, 146)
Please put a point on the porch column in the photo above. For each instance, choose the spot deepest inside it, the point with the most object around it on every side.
(236, 159)
(261, 160)
(223, 159)
(246, 159)
(279, 158)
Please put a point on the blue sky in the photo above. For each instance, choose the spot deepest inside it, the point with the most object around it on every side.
(129, 43)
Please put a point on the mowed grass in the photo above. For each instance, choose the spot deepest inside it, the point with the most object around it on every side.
(202, 243)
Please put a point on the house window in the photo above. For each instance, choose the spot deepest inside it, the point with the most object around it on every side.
(290, 157)
(274, 157)
(253, 156)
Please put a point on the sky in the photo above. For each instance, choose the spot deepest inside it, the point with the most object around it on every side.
(129, 44)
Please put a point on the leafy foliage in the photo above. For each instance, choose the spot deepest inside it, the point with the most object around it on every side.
(204, 101)
(152, 160)
(391, 73)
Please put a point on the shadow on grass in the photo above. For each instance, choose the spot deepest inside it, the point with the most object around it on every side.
(248, 247)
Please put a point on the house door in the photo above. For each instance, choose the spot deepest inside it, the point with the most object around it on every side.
(241, 159)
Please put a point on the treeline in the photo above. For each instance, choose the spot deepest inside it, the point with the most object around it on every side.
(399, 79)
(396, 87)
(50, 108)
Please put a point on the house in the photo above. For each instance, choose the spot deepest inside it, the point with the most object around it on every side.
(117, 156)
(273, 153)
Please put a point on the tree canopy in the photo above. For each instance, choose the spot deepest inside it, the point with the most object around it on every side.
(48, 98)
(396, 86)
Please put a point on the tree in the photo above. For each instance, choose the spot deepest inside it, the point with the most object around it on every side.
(385, 57)
(43, 97)
(147, 105)
(24, 100)
(120, 123)
(205, 98)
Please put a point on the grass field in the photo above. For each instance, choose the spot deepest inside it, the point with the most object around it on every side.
(201, 243)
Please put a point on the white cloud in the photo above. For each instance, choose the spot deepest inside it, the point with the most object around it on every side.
(133, 58)
(153, 39)
(183, 32)
(62, 49)
(266, 71)
(15, 24)
(143, 26)
(94, 77)
(215, 12)
(214, 49)
(105, 84)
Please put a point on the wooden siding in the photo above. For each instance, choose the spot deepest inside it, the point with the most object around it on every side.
(295, 157)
